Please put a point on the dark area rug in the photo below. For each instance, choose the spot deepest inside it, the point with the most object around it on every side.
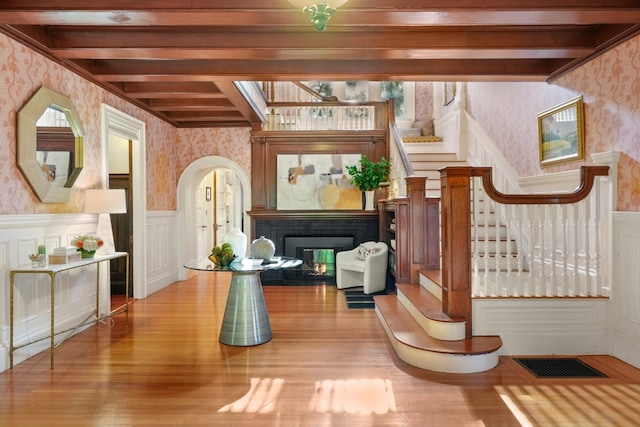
(559, 368)
(357, 299)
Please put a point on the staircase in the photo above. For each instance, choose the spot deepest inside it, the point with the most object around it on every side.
(421, 334)
(427, 160)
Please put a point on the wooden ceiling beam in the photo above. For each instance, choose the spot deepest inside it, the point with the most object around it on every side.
(346, 17)
(223, 70)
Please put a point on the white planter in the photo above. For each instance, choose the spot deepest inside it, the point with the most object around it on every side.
(368, 200)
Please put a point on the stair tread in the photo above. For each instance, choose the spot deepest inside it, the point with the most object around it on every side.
(406, 330)
(427, 303)
(434, 275)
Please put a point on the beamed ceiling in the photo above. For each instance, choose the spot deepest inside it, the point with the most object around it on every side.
(179, 58)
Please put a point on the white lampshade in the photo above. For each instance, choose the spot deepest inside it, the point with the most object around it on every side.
(105, 201)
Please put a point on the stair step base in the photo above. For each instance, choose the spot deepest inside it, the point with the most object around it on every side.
(426, 309)
(415, 347)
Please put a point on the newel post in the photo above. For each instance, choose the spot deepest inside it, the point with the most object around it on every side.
(456, 243)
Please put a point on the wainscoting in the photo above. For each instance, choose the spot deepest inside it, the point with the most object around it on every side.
(21, 235)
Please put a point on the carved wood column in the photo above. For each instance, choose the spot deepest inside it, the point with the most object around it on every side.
(456, 243)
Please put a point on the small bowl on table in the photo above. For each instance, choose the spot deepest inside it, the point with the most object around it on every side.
(252, 262)
(37, 260)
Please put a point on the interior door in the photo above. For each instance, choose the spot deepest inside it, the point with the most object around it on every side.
(203, 220)
(122, 225)
(223, 205)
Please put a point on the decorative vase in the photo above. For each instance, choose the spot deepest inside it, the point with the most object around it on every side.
(368, 200)
(87, 254)
(238, 241)
(263, 248)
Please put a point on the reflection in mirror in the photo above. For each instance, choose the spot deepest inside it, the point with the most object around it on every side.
(55, 147)
(50, 145)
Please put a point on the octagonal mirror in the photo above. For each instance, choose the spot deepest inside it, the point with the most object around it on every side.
(50, 151)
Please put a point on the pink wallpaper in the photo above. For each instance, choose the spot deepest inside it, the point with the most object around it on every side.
(508, 111)
(610, 86)
(424, 101)
(22, 72)
(232, 143)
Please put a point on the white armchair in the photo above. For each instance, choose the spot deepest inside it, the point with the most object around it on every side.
(364, 266)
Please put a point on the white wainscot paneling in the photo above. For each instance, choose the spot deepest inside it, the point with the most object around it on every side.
(21, 235)
(625, 298)
(161, 250)
(539, 326)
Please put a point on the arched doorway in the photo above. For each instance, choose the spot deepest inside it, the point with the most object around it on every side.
(188, 184)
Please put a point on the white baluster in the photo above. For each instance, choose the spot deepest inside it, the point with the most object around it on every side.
(575, 255)
(531, 231)
(520, 228)
(595, 197)
(508, 260)
(564, 250)
(551, 221)
(475, 207)
(497, 278)
(540, 288)
(486, 213)
(586, 215)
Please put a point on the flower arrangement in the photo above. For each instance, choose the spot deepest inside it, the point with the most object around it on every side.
(87, 244)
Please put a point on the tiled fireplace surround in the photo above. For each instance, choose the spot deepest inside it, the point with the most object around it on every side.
(360, 226)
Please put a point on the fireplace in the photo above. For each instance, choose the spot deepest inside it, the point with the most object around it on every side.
(317, 255)
(313, 227)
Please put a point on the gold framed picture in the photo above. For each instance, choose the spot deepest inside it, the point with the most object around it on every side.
(561, 133)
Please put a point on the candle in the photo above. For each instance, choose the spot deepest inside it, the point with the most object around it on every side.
(42, 249)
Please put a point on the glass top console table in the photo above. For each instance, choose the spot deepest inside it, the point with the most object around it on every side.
(246, 319)
(52, 270)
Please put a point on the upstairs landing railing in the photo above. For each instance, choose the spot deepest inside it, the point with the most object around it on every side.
(553, 241)
(294, 106)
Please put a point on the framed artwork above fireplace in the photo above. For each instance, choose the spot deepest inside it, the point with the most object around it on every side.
(316, 182)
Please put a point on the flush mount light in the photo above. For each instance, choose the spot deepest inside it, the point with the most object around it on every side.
(319, 13)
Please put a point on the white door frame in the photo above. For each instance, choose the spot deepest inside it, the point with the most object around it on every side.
(188, 181)
(115, 122)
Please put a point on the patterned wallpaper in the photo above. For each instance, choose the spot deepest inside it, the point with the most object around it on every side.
(232, 143)
(424, 101)
(610, 86)
(22, 72)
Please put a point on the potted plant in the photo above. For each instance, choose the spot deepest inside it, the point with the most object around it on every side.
(369, 176)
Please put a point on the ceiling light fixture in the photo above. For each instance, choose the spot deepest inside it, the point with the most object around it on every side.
(319, 13)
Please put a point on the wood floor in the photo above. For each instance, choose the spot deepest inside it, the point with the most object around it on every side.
(326, 366)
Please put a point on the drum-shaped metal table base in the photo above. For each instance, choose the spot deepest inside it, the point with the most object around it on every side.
(246, 320)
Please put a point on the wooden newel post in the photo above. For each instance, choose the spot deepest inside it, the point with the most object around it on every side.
(456, 243)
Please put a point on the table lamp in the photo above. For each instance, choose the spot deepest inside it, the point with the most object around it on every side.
(105, 202)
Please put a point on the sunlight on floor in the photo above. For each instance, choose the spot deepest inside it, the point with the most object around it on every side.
(363, 397)
(569, 404)
(351, 396)
(262, 397)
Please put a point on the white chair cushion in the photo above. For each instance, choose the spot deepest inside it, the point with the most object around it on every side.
(352, 265)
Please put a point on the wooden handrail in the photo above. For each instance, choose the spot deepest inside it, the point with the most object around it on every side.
(313, 93)
(587, 177)
(397, 139)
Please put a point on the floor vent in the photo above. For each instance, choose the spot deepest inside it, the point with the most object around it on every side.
(559, 368)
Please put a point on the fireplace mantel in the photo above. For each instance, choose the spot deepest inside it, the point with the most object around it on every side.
(276, 225)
